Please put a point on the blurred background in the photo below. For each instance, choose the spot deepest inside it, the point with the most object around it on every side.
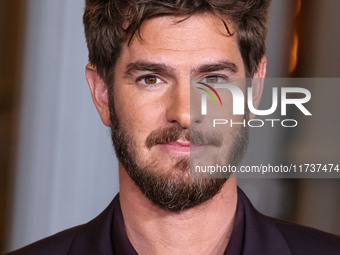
(57, 165)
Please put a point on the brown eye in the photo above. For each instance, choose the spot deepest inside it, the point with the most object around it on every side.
(150, 80)
(212, 79)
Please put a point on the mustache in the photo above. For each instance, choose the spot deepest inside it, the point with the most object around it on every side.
(174, 133)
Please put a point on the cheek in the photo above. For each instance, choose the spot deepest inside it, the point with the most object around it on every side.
(138, 114)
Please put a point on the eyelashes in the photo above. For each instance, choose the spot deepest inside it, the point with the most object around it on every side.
(215, 79)
(149, 81)
(152, 81)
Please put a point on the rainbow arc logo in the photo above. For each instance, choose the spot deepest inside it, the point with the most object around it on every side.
(209, 93)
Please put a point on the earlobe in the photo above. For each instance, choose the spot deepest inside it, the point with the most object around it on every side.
(99, 93)
(262, 69)
(258, 83)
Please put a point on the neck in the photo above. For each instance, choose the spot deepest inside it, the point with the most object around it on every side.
(204, 229)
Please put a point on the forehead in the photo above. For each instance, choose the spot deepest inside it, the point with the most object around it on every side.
(199, 39)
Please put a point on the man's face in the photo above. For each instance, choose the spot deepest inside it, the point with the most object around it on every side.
(151, 118)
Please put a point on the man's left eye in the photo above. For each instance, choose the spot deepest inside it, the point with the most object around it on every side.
(214, 79)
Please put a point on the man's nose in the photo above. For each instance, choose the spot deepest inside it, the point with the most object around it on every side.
(178, 106)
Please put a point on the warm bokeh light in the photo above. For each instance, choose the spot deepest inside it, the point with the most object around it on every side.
(294, 53)
(298, 7)
(295, 43)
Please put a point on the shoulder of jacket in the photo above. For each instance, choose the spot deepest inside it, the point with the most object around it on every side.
(306, 240)
(52, 245)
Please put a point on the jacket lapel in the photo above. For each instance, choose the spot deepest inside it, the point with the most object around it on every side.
(261, 236)
(95, 236)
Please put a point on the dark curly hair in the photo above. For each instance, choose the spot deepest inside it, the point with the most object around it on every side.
(104, 31)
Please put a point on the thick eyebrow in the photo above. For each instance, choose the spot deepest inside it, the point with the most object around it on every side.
(168, 70)
(149, 66)
(214, 67)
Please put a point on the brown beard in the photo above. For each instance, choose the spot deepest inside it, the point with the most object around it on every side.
(171, 190)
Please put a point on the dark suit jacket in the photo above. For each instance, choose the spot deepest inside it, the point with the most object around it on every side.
(262, 235)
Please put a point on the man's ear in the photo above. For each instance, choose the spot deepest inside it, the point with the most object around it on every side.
(99, 93)
(257, 84)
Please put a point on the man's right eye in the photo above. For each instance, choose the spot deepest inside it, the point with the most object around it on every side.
(149, 81)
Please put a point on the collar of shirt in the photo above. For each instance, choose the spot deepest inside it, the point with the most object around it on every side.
(122, 246)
